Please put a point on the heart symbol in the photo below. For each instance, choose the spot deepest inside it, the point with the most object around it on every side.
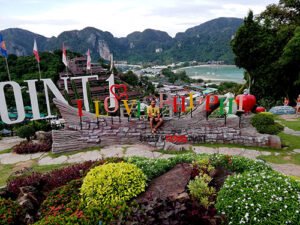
(122, 91)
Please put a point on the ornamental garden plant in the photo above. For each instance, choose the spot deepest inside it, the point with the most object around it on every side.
(219, 189)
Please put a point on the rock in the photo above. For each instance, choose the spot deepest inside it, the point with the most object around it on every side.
(169, 185)
(280, 110)
(182, 197)
(29, 199)
(296, 150)
(168, 146)
(43, 136)
(274, 141)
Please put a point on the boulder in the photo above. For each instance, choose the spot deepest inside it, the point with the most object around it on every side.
(29, 199)
(168, 146)
(274, 141)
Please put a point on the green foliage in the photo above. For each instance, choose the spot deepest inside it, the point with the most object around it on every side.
(115, 183)
(180, 76)
(266, 47)
(26, 131)
(75, 219)
(260, 198)
(89, 95)
(151, 167)
(147, 85)
(130, 78)
(204, 165)
(41, 125)
(237, 164)
(67, 97)
(10, 212)
(155, 167)
(226, 87)
(264, 123)
(200, 190)
(74, 88)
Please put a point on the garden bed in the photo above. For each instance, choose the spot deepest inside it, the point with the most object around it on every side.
(185, 189)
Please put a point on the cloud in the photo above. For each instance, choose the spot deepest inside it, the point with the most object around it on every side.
(120, 17)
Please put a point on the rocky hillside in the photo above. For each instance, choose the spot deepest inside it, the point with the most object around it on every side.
(208, 41)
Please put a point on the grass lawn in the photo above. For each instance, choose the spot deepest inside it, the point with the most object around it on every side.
(282, 158)
(5, 151)
(6, 170)
(56, 155)
(238, 146)
(290, 142)
(294, 125)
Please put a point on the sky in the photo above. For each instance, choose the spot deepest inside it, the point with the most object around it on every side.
(120, 17)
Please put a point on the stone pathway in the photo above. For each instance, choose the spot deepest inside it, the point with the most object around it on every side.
(139, 150)
(291, 132)
(9, 142)
(252, 154)
(289, 169)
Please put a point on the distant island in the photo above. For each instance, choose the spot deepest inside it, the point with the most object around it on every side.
(209, 41)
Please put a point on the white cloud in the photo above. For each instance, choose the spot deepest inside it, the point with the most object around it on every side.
(119, 17)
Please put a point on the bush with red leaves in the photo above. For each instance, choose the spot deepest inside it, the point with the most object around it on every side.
(31, 147)
(48, 181)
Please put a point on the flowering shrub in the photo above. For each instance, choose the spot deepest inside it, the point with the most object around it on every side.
(260, 198)
(64, 199)
(30, 147)
(10, 212)
(51, 180)
(238, 164)
(112, 184)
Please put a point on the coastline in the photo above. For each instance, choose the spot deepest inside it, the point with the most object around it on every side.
(206, 65)
(214, 72)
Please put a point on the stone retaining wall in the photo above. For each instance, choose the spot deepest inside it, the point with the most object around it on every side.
(115, 130)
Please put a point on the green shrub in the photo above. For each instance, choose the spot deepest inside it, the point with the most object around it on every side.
(262, 119)
(151, 167)
(155, 167)
(26, 131)
(200, 190)
(260, 198)
(10, 212)
(265, 124)
(112, 184)
(238, 164)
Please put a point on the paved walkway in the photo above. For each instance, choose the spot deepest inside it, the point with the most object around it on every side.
(9, 142)
(138, 150)
(291, 132)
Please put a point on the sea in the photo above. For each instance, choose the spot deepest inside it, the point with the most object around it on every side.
(215, 73)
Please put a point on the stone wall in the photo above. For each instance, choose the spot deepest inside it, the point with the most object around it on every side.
(115, 130)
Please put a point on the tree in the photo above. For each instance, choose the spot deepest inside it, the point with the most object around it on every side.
(26, 131)
(130, 78)
(267, 47)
